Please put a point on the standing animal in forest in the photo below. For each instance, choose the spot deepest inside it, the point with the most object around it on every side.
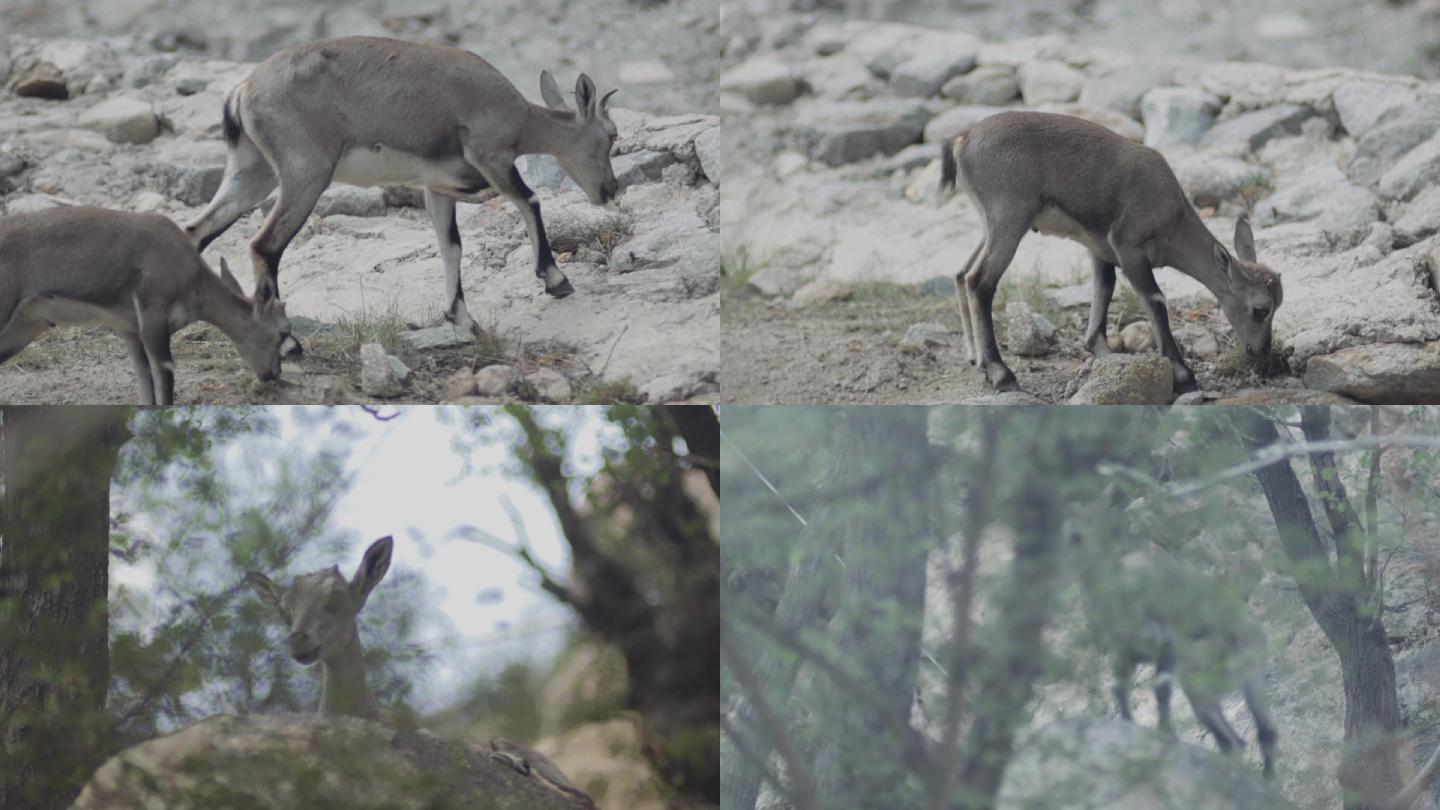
(1061, 175)
(1146, 607)
(319, 609)
(372, 111)
(135, 274)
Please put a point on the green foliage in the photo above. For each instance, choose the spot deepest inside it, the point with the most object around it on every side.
(508, 702)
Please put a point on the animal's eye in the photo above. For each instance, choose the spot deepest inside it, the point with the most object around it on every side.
(1260, 313)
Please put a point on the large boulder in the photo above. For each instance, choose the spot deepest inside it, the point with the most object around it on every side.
(1120, 89)
(987, 84)
(1420, 167)
(123, 119)
(1127, 379)
(1382, 373)
(1389, 141)
(924, 75)
(280, 762)
(1177, 115)
(1361, 105)
(1255, 128)
(1087, 763)
(1343, 211)
(1042, 82)
(762, 80)
(839, 132)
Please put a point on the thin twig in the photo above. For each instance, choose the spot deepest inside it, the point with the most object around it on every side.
(763, 479)
(606, 364)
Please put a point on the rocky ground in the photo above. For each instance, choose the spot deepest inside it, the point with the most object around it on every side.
(139, 130)
(838, 254)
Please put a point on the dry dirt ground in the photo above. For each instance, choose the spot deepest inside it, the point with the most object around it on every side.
(850, 352)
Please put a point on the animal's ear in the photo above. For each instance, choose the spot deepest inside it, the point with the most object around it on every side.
(585, 97)
(268, 591)
(1244, 239)
(1222, 260)
(228, 278)
(550, 91)
(372, 569)
(1277, 291)
(605, 100)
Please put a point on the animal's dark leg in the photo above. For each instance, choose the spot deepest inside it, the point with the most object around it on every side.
(1141, 276)
(1103, 282)
(1003, 237)
(447, 235)
(507, 180)
(1164, 675)
(962, 305)
(1124, 672)
(155, 335)
(141, 364)
(1265, 731)
(297, 199)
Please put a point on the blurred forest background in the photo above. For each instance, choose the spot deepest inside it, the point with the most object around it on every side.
(931, 607)
(554, 580)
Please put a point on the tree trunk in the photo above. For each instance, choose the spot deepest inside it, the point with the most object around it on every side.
(55, 466)
(1014, 645)
(1370, 770)
(882, 517)
(671, 648)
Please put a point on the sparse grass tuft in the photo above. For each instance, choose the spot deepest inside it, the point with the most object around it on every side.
(608, 392)
(1255, 188)
(881, 292)
(1029, 288)
(607, 240)
(1125, 306)
(733, 279)
(355, 329)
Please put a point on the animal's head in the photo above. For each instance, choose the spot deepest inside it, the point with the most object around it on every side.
(320, 608)
(263, 348)
(1253, 292)
(587, 159)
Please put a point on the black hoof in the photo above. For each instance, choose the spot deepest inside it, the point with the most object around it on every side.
(1185, 385)
(560, 290)
(1002, 378)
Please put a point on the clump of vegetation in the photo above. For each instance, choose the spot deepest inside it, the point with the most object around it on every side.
(1255, 187)
(605, 392)
(352, 330)
(1029, 288)
(733, 278)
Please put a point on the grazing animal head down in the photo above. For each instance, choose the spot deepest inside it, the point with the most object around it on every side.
(587, 160)
(262, 349)
(1254, 293)
(319, 608)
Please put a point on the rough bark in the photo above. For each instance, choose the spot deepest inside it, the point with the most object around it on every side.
(885, 541)
(1335, 591)
(55, 467)
(642, 519)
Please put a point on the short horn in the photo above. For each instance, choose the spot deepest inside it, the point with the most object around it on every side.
(605, 99)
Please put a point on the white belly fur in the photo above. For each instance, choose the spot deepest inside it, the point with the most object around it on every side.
(1051, 220)
(383, 166)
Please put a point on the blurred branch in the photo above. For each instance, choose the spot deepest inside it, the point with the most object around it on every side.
(700, 428)
(520, 550)
(1272, 454)
(380, 417)
(915, 745)
(801, 780)
(961, 584)
(743, 746)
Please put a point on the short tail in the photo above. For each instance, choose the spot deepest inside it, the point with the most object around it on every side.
(949, 168)
(230, 118)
